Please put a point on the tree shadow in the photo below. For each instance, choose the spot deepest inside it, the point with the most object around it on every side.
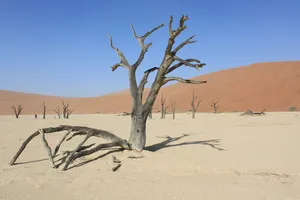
(213, 143)
(32, 161)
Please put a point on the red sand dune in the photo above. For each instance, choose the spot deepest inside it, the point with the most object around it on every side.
(274, 86)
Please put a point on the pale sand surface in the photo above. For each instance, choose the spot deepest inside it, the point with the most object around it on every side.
(261, 160)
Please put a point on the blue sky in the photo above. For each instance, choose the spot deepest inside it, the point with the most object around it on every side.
(62, 47)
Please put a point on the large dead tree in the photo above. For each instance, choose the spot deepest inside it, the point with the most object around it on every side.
(140, 108)
(44, 107)
(170, 62)
(194, 104)
(173, 106)
(215, 106)
(17, 110)
(163, 106)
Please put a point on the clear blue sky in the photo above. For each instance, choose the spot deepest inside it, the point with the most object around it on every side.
(59, 47)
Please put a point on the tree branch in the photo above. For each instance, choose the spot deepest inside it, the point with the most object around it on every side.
(181, 26)
(189, 60)
(145, 78)
(188, 41)
(170, 25)
(144, 46)
(115, 66)
(186, 63)
(124, 62)
(86, 130)
(174, 33)
(181, 80)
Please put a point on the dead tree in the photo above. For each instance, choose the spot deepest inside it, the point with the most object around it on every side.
(57, 111)
(173, 106)
(170, 62)
(194, 105)
(140, 108)
(150, 114)
(17, 110)
(163, 107)
(215, 106)
(66, 110)
(69, 112)
(250, 113)
(44, 107)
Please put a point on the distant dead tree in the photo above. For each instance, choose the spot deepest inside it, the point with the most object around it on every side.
(17, 110)
(66, 110)
(57, 111)
(215, 105)
(173, 106)
(44, 107)
(163, 106)
(194, 105)
(251, 113)
(69, 112)
(150, 113)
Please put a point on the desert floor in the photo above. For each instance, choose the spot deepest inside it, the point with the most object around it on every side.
(226, 156)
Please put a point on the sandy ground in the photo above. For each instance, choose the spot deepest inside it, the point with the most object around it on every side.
(260, 160)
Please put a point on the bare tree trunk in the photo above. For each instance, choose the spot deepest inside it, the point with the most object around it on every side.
(163, 108)
(150, 114)
(137, 137)
(173, 106)
(44, 110)
(194, 106)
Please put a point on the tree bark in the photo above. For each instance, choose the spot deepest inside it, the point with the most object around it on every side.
(137, 137)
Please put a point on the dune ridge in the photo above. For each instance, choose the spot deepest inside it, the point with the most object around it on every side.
(273, 86)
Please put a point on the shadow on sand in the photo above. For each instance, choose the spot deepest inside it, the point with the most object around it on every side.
(214, 143)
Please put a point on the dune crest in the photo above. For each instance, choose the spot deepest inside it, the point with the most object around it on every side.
(273, 86)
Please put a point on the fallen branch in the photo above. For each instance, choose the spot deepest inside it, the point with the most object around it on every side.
(79, 151)
(116, 167)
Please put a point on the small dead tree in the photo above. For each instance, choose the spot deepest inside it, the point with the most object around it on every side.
(66, 110)
(44, 107)
(150, 113)
(57, 111)
(140, 109)
(69, 112)
(194, 105)
(173, 106)
(215, 106)
(163, 106)
(17, 110)
(251, 113)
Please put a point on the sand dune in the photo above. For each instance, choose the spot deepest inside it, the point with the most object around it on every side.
(260, 160)
(273, 86)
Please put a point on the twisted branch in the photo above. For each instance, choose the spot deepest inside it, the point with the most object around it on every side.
(181, 80)
(144, 46)
(124, 62)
